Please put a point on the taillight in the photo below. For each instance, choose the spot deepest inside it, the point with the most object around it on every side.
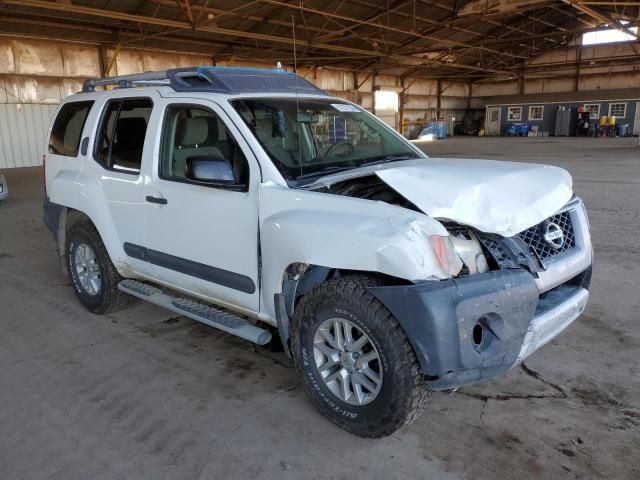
(44, 174)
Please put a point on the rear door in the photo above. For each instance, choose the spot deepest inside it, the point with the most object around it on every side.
(203, 238)
(115, 177)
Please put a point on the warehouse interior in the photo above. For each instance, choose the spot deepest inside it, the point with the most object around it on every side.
(146, 394)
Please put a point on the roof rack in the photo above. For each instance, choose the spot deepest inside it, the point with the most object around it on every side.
(124, 81)
(213, 79)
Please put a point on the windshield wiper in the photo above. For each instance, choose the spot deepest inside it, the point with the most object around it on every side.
(324, 171)
(387, 158)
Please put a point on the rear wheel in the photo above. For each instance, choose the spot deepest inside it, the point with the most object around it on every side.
(355, 361)
(93, 276)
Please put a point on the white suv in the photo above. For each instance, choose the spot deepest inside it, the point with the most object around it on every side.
(252, 201)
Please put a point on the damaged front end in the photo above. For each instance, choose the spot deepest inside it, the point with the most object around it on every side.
(517, 279)
(493, 315)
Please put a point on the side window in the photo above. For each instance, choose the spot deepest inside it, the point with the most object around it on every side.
(190, 133)
(67, 128)
(120, 139)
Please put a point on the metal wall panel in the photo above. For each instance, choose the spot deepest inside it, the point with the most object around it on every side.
(38, 58)
(23, 132)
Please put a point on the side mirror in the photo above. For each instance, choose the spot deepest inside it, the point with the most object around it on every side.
(211, 169)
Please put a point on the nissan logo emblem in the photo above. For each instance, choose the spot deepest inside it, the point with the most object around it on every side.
(553, 235)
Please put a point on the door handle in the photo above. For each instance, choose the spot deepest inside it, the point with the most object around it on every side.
(158, 200)
(84, 145)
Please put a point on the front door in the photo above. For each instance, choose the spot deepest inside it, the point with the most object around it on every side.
(636, 123)
(493, 121)
(203, 236)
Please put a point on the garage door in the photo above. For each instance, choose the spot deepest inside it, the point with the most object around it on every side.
(23, 131)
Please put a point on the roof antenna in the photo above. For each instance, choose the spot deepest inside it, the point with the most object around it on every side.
(295, 72)
(295, 59)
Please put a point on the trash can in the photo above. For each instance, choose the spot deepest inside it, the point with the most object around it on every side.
(623, 130)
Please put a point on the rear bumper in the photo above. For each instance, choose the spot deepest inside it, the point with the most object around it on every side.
(468, 329)
(4, 189)
(51, 216)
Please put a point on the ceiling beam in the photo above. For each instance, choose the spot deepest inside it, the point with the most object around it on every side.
(372, 18)
(268, 18)
(176, 24)
(578, 5)
(303, 8)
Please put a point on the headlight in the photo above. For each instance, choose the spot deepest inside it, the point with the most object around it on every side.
(586, 215)
(447, 256)
(468, 248)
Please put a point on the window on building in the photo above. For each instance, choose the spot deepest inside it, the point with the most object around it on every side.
(593, 109)
(67, 129)
(514, 114)
(609, 35)
(618, 110)
(536, 112)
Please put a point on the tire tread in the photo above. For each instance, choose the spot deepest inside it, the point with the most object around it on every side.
(410, 398)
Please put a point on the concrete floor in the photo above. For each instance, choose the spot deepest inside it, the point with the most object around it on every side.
(142, 394)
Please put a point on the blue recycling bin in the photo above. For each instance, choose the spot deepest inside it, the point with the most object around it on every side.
(439, 128)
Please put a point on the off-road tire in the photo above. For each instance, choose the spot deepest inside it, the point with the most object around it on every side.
(108, 298)
(403, 394)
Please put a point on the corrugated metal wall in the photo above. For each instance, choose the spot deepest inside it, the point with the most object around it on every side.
(23, 131)
(36, 75)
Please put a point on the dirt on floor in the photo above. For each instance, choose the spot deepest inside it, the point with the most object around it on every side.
(143, 394)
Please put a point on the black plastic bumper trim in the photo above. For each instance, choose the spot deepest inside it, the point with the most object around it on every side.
(216, 275)
(439, 319)
(51, 216)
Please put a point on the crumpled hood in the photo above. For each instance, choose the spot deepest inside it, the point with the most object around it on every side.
(492, 196)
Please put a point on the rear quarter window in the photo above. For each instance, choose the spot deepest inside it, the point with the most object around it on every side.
(67, 128)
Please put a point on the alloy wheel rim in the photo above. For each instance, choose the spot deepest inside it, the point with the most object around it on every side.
(87, 269)
(347, 361)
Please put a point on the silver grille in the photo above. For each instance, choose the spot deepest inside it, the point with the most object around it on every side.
(543, 249)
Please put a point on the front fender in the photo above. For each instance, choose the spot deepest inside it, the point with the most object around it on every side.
(299, 226)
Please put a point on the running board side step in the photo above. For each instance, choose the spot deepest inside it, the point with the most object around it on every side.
(214, 317)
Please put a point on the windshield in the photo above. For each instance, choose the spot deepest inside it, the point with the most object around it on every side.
(307, 138)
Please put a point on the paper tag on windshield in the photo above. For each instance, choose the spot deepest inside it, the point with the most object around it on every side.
(345, 107)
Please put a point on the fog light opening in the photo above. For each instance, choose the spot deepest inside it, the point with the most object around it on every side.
(478, 334)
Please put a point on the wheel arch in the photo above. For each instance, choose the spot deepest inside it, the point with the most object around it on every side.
(67, 219)
(300, 278)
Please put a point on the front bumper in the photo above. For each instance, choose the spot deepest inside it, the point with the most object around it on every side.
(467, 329)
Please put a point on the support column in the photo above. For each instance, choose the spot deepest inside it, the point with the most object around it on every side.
(102, 60)
(578, 61)
(373, 93)
(401, 106)
(439, 99)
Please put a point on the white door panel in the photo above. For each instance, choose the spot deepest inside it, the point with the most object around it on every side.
(636, 123)
(123, 210)
(205, 239)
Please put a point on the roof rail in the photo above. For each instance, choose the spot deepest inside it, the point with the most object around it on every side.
(124, 81)
(213, 79)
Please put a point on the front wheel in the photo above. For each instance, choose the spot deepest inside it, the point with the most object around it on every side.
(355, 361)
